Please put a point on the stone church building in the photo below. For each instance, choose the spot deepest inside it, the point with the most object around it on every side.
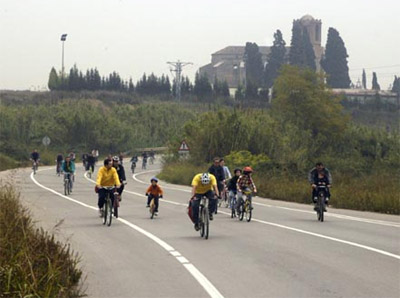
(228, 64)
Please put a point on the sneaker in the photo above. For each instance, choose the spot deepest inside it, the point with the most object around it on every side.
(315, 199)
(315, 208)
(196, 227)
(101, 212)
(325, 209)
(156, 213)
(147, 206)
(211, 216)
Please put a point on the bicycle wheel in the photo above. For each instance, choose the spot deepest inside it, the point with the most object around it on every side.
(241, 211)
(233, 206)
(248, 211)
(65, 187)
(105, 212)
(109, 211)
(321, 208)
(206, 223)
(226, 199)
(69, 186)
(115, 207)
(201, 221)
(152, 208)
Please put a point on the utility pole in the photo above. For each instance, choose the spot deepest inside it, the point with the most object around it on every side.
(177, 68)
(63, 38)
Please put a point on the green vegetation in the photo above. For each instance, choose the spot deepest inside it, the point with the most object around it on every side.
(306, 124)
(32, 262)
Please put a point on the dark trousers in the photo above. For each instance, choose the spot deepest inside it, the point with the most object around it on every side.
(150, 197)
(88, 166)
(315, 194)
(102, 197)
(121, 189)
(196, 204)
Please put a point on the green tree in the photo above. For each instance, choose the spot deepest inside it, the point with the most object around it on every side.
(54, 82)
(396, 85)
(375, 85)
(275, 59)
(308, 51)
(296, 54)
(254, 65)
(202, 87)
(334, 61)
(364, 79)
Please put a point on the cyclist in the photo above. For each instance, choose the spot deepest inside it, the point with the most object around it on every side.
(35, 157)
(245, 183)
(121, 174)
(121, 158)
(107, 176)
(219, 174)
(134, 160)
(154, 191)
(232, 186)
(84, 159)
(144, 162)
(317, 176)
(72, 156)
(68, 168)
(59, 160)
(227, 173)
(203, 184)
(90, 162)
(152, 156)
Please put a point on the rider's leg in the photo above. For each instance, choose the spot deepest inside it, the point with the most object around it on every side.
(156, 202)
(195, 208)
(239, 199)
(102, 196)
(212, 202)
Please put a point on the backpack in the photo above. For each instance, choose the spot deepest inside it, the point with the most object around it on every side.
(190, 209)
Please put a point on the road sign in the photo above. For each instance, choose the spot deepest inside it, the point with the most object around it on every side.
(46, 141)
(184, 146)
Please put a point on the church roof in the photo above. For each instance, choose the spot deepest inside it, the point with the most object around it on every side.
(239, 50)
(307, 17)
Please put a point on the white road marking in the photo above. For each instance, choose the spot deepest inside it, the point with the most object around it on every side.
(341, 216)
(201, 279)
(311, 234)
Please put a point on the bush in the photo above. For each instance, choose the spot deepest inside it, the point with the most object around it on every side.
(32, 262)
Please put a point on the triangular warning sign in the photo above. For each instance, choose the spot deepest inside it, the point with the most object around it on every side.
(184, 146)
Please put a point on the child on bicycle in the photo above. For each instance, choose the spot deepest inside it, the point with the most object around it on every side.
(154, 192)
(245, 184)
(232, 186)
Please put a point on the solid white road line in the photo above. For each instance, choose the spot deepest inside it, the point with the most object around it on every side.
(309, 233)
(201, 279)
(341, 216)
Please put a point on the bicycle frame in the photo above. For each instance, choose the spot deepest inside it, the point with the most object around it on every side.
(204, 220)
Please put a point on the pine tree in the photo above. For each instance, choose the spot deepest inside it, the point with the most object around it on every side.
(396, 85)
(334, 61)
(276, 58)
(364, 80)
(254, 66)
(309, 59)
(296, 54)
(54, 82)
(375, 85)
(202, 87)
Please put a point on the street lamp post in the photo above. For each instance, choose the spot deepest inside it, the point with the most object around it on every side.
(63, 38)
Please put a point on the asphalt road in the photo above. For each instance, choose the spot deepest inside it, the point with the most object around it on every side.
(283, 252)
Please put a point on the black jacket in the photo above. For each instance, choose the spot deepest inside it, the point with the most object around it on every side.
(313, 176)
(232, 185)
(218, 172)
(121, 173)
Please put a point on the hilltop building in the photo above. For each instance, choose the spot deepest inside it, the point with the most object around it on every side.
(228, 64)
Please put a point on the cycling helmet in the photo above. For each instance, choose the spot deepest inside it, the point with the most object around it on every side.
(115, 158)
(205, 178)
(154, 179)
(247, 170)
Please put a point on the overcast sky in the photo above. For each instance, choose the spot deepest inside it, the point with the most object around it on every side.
(133, 37)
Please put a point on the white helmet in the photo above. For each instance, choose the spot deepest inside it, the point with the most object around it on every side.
(205, 178)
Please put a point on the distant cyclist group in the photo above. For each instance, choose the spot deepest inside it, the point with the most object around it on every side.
(214, 184)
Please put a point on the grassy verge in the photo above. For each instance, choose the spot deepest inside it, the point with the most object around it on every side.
(377, 192)
(32, 262)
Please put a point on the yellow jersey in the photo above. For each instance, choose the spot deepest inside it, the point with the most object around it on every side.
(107, 177)
(203, 188)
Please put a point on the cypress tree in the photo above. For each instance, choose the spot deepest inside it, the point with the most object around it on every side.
(54, 82)
(296, 54)
(375, 85)
(364, 79)
(309, 59)
(334, 61)
(396, 85)
(275, 59)
(254, 65)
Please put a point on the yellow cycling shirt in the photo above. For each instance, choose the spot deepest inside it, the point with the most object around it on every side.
(107, 177)
(203, 188)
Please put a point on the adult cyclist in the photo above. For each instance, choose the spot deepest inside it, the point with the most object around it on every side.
(106, 177)
(90, 162)
(121, 174)
(59, 160)
(35, 157)
(203, 184)
(320, 176)
(219, 174)
(68, 168)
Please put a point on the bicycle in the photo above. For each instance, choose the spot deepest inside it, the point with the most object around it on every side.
(204, 219)
(108, 206)
(152, 208)
(320, 207)
(144, 163)
(133, 166)
(58, 168)
(35, 165)
(233, 206)
(245, 208)
(224, 198)
(67, 184)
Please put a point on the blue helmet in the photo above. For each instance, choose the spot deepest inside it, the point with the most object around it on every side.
(154, 179)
